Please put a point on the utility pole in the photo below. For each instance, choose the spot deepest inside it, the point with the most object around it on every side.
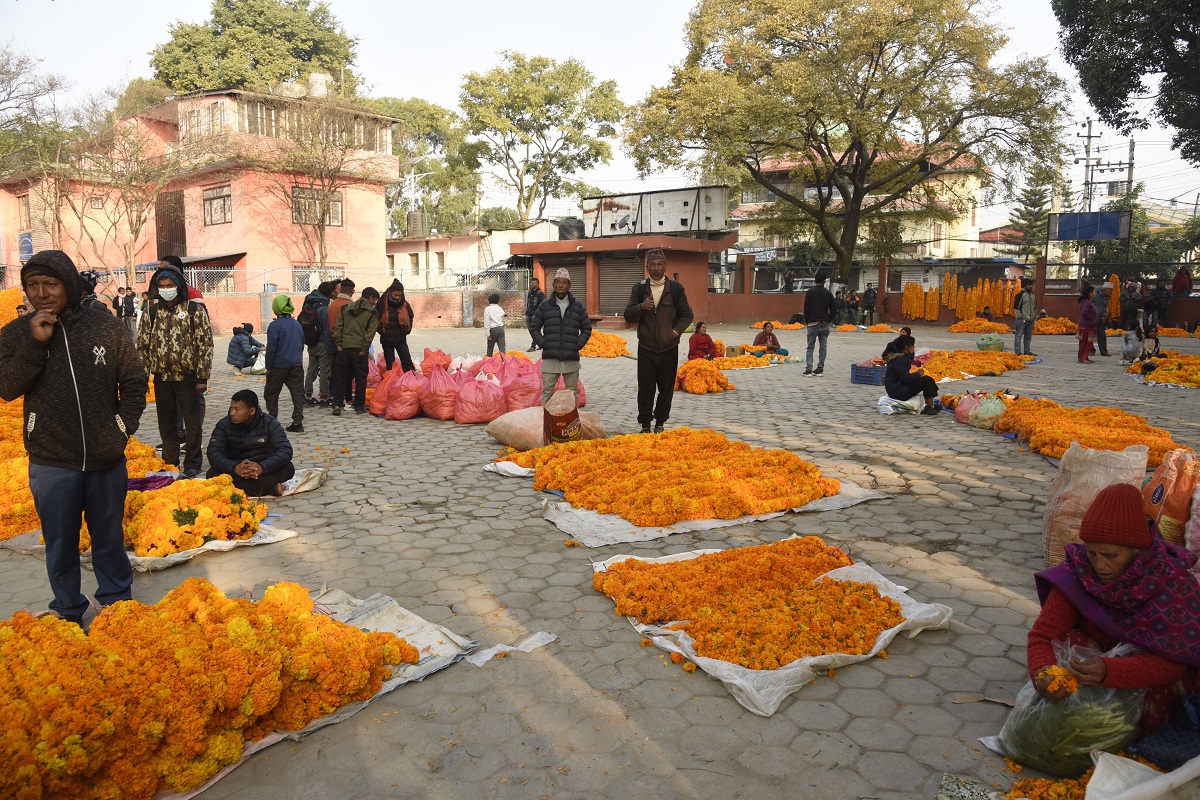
(1129, 175)
(1087, 162)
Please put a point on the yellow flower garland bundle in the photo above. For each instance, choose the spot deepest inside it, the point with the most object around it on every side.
(187, 514)
(516, 354)
(163, 696)
(779, 326)
(681, 474)
(1061, 788)
(1054, 325)
(746, 361)
(961, 363)
(979, 325)
(699, 376)
(720, 345)
(1113, 311)
(756, 606)
(9, 300)
(1114, 331)
(1173, 333)
(1050, 428)
(846, 328)
(1173, 367)
(880, 328)
(605, 345)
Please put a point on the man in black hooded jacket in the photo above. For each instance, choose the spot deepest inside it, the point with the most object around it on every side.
(84, 392)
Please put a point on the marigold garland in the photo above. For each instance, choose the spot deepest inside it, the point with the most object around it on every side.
(780, 326)
(1172, 367)
(700, 376)
(1059, 789)
(1061, 678)
(9, 300)
(605, 345)
(1050, 428)
(755, 606)
(516, 354)
(1173, 333)
(846, 328)
(880, 327)
(173, 689)
(1114, 299)
(1054, 325)
(186, 514)
(677, 475)
(979, 325)
(966, 363)
(720, 345)
(746, 361)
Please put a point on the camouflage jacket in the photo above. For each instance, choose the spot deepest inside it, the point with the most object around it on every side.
(176, 342)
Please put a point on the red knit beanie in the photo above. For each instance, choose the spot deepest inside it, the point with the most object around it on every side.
(1116, 516)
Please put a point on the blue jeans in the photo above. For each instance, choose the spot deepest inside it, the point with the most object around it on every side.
(815, 332)
(63, 498)
(1023, 337)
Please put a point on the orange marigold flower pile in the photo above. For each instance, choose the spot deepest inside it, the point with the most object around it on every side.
(780, 326)
(9, 300)
(756, 606)
(720, 345)
(1061, 789)
(150, 396)
(700, 376)
(161, 697)
(517, 354)
(979, 325)
(1061, 678)
(1114, 331)
(962, 363)
(1173, 333)
(1050, 428)
(846, 328)
(186, 514)
(746, 361)
(605, 345)
(1052, 325)
(1173, 367)
(880, 328)
(677, 475)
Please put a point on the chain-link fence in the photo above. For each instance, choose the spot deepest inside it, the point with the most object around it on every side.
(501, 280)
(306, 279)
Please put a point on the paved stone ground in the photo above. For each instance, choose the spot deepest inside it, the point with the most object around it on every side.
(409, 512)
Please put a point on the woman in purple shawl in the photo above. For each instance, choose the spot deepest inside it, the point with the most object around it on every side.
(1122, 584)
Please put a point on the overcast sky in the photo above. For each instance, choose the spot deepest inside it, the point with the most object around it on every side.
(409, 49)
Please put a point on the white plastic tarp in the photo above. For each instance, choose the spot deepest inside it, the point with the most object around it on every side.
(438, 648)
(266, 534)
(1118, 778)
(593, 529)
(763, 691)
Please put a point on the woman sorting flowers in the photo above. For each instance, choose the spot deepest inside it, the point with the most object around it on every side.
(767, 338)
(1123, 584)
(900, 381)
(701, 345)
(252, 447)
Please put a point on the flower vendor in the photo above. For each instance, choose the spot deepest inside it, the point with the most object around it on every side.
(1123, 583)
(1025, 312)
(701, 345)
(252, 447)
(560, 329)
(243, 348)
(1089, 319)
(901, 382)
(84, 391)
(660, 308)
(767, 338)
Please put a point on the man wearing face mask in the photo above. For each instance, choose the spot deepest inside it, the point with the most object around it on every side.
(176, 344)
(660, 308)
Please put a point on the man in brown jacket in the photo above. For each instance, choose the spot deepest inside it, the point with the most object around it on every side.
(660, 308)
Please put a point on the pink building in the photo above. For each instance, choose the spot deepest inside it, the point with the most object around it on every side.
(256, 193)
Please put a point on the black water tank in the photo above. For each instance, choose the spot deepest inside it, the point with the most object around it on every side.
(570, 228)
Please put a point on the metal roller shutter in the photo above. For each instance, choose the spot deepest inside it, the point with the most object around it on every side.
(577, 266)
(618, 274)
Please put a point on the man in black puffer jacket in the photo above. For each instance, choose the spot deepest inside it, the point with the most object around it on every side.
(560, 328)
(84, 392)
(250, 446)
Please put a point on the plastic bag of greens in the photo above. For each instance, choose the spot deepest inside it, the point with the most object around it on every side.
(1058, 737)
(986, 413)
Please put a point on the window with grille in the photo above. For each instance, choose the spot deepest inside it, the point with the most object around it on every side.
(23, 219)
(414, 263)
(441, 262)
(218, 205)
(937, 234)
(307, 206)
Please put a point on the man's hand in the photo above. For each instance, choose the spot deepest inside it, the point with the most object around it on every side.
(362, 352)
(201, 387)
(42, 325)
(648, 303)
(243, 468)
(675, 332)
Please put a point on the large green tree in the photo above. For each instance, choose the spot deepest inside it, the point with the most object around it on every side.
(848, 109)
(255, 44)
(1137, 59)
(1028, 218)
(26, 94)
(538, 122)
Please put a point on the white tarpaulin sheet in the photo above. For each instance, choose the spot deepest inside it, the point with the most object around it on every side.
(1119, 778)
(305, 480)
(762, 691)
(266, 534)
(594, 529)
(438, 648)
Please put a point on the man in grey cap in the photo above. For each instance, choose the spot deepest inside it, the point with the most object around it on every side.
(560, 328)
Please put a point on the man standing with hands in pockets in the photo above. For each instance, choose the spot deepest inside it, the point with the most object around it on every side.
(660, 308)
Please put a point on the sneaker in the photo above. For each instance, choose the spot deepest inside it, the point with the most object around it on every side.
(337, 411)
(360, 410)
(658, 428)
(1035, 355)
(532, 347)
(1106, 355)
(645, 429)
(295, 427)
(1124, 362)
(808, 371)
(310, 401)
(930, 410)
(819, 371)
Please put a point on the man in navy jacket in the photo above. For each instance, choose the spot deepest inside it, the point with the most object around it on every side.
(285, 361)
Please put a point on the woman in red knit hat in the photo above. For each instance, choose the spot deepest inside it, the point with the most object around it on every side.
(1124, 583)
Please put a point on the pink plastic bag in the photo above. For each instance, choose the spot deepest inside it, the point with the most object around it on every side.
(381, 362)
(461, 378)
(404, 396)
(491, 364)
(479, 401)
(439, 396)
(379, 398)
(963, 410)
(522, 388)
(434, 359)
(373, 375)
(582, 397)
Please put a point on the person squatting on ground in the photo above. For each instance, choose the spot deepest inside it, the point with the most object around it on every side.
(252, 447)
(84, 391)
(352, 336)
(660, 308)
(176, 345)
(318, 339)
(493, 324)
(767, 338)
(533, 298)
(818, 311)
(243, 348)
(395, 324)
(900, 381)
(285, 362)
(560, 329)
